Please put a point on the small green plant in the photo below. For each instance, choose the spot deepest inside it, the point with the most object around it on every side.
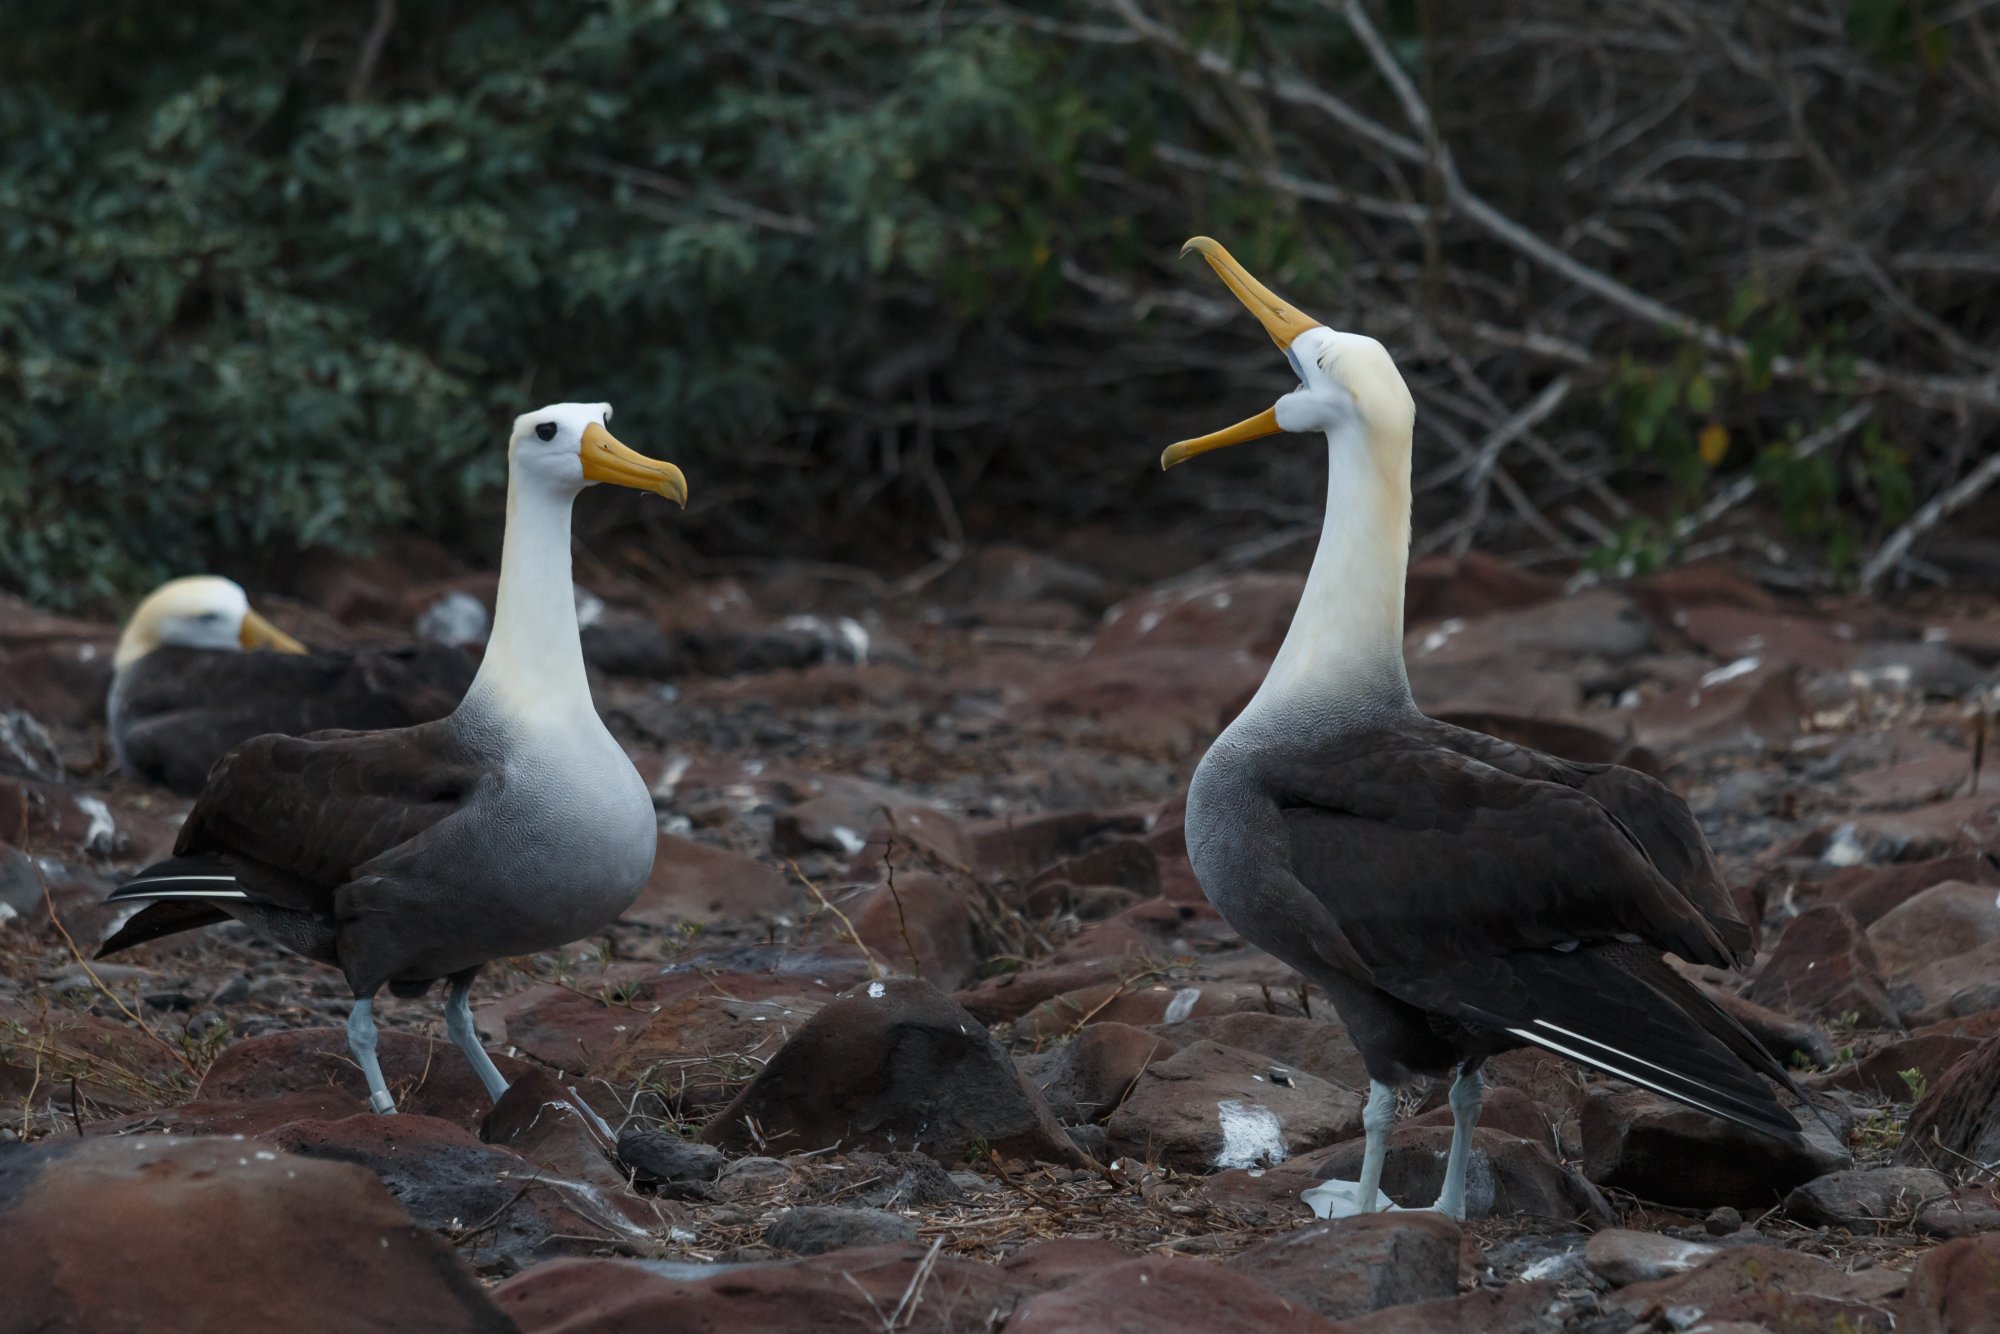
(1914, 1080)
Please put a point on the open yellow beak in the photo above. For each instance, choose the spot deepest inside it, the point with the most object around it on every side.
(605, 460)
(260, 633)
(1281, 321)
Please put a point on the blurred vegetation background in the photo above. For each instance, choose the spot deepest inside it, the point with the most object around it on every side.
(889, 278)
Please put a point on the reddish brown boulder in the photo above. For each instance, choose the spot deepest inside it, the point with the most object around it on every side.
(501, 1210)
(1966, 1212)
(1439, 587)
(1957, 986)
(1166, 699)
(428, 1078)
(1018, 848)
(697, 882)
(1010, 995)
(1954, 1289)
(1670, 1154)
(1867, 1200)
(1210, 1106)
(1746, 704)
(918, 923)
(1771, 1287)
(856, 1289)
(116, 1067)
(1165, 1293)
(1251, 610)
(1951, 917)
(1882, 1072)
(893, 1065)
(909, 837)
(1507, 1110)
(1317, 1045)
(697, 1048)
(1959, 1116)
(1088, 1076)
(554, 1129)
(1506, 1176)
(1869, 892)
(1059, 1262)
(1518, 1308)
(1143, 1003)
(1351, 1266)
(1823, 966)
(236, 1236)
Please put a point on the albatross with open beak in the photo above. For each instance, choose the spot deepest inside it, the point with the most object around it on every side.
(404, 857)
(1456, 896)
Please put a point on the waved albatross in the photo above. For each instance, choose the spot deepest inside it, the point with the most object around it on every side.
(1456, 896)
(185, 693)
(401, 857)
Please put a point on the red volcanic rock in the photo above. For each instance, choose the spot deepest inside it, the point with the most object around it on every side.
(842, 1290)
(1165, 1293)
(555, 1130)
(1019, 848)
(1732, 633)
(1966, 1212)
(1505, 1176)
(1168, 698)
(1747, 704)
(1063, 1260)
(892, 1064)
(1959, 1114)
(1668, 594)
(1766, 1287)
(696, 882)
(1869, 892)
(700, 1045)
(1129, 863)
(907, 837)
(1518, 1308)
(1210, 1106)
(1011, 995)
(1507, 1110)
(1249, 611)
(501, 1209)
(1823, 966)
(1087, 1076)
(1440, 587)
(1881, 1071)
(1674, 1155)
(918, 923)
(116, 1067)
(236, 1237)
(1350, 1266)
(1954, 1289)
(1866, 1200)
(1318, 1045)
(428, 1078)
(1946, 919)
(1140, 1004)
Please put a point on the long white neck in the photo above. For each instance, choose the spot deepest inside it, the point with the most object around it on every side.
(1345, 646)
(533, 669)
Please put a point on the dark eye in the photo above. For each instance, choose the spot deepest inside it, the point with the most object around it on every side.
(547, 430)
(607, 416)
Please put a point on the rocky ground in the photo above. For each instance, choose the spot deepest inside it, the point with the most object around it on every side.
(923, 1023)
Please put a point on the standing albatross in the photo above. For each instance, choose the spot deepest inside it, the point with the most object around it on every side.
(186, 694)
(1456, 896)
(402, 857)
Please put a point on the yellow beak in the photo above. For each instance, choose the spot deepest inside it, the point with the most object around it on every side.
(605, 460)
(1281, 321)
(260, 633)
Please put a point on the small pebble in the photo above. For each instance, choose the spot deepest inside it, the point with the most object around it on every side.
(1723, 1221)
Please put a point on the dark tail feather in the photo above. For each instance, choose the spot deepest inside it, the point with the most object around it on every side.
(1595, 1006)
(166, 917)
(180, 894)
(182, 878)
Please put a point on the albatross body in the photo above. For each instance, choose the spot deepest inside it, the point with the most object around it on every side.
(414, 855)
(1455, 895)
(186, 694)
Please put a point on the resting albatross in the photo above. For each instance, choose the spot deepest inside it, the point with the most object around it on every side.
(401, 857)
(1456, 896)
(185, 694)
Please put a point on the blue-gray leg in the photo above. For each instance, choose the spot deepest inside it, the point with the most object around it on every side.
(1467, 1092)
(1376, 1117)
(458, 1023)
(361, 1041)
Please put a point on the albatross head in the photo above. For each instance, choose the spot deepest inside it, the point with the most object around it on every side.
(201, 611)
(570, 445)
(1348, 385)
